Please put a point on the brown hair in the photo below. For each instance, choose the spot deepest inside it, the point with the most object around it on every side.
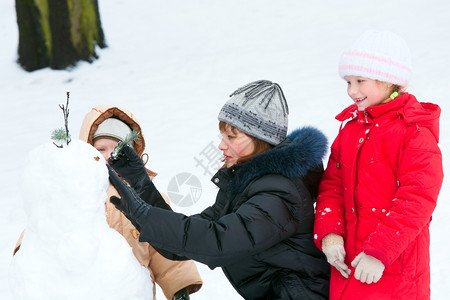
(260, 145)
(397, 88)
(394, 88)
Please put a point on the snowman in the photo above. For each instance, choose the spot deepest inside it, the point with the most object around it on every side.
(68, 251)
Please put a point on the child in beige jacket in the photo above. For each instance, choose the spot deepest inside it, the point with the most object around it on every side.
(103, 127)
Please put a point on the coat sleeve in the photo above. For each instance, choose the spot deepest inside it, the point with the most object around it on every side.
(265, 219)
(329, 217)
(215, 211)
(420, 176)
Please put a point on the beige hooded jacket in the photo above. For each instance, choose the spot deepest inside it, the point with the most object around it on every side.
(170, 275)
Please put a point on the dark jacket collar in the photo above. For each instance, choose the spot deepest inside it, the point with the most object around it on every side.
(301, 151)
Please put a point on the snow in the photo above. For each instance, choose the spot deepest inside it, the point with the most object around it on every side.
(68, 250)
(174, 63)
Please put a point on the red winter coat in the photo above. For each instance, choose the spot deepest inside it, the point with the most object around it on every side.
(379, 191)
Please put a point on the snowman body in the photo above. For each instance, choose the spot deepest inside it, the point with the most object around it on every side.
(68, 250)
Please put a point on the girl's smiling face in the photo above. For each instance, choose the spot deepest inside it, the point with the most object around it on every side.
(367, 92)
(235, 144)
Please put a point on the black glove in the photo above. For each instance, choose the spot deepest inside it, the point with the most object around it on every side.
(182, 294)
(131, 168)
(133, 207)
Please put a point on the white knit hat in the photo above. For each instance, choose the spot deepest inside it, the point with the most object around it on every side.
(260, 110)
(379, 55)
(112, 128)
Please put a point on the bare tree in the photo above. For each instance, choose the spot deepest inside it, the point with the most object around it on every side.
(58, 33)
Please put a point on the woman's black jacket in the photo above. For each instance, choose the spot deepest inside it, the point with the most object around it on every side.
(259, 230)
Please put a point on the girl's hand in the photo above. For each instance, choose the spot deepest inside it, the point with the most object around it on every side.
(368, 269)
(333, 247)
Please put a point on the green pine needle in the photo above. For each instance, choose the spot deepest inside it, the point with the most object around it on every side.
(59, 135)
(133, 136)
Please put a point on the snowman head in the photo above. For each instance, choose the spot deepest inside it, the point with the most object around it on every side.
(66, 186)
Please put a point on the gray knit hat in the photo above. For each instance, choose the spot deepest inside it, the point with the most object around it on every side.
(259, 109)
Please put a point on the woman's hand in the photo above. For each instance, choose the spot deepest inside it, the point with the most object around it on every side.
(131, 168)
(129, 203)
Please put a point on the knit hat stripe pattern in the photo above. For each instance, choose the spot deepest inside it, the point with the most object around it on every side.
(259, 109)
(378, 55)
(393, 72)
(250, 120)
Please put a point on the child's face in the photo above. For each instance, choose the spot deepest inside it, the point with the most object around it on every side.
(235, 145)
(105, 146)
(367, 92)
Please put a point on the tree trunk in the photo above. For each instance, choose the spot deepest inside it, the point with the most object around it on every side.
(33, 45)
(63, 52)
(58, 33)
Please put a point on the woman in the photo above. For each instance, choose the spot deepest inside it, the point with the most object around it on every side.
(259, 230)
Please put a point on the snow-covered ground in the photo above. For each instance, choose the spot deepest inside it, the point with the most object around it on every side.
(174, 63)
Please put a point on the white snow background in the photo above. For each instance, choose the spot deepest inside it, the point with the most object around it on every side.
(174, 63)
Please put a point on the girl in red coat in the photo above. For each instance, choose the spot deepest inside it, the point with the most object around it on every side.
(382, 180)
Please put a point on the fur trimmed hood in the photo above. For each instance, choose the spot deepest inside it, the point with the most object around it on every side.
(301, 151)
(102, 112)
